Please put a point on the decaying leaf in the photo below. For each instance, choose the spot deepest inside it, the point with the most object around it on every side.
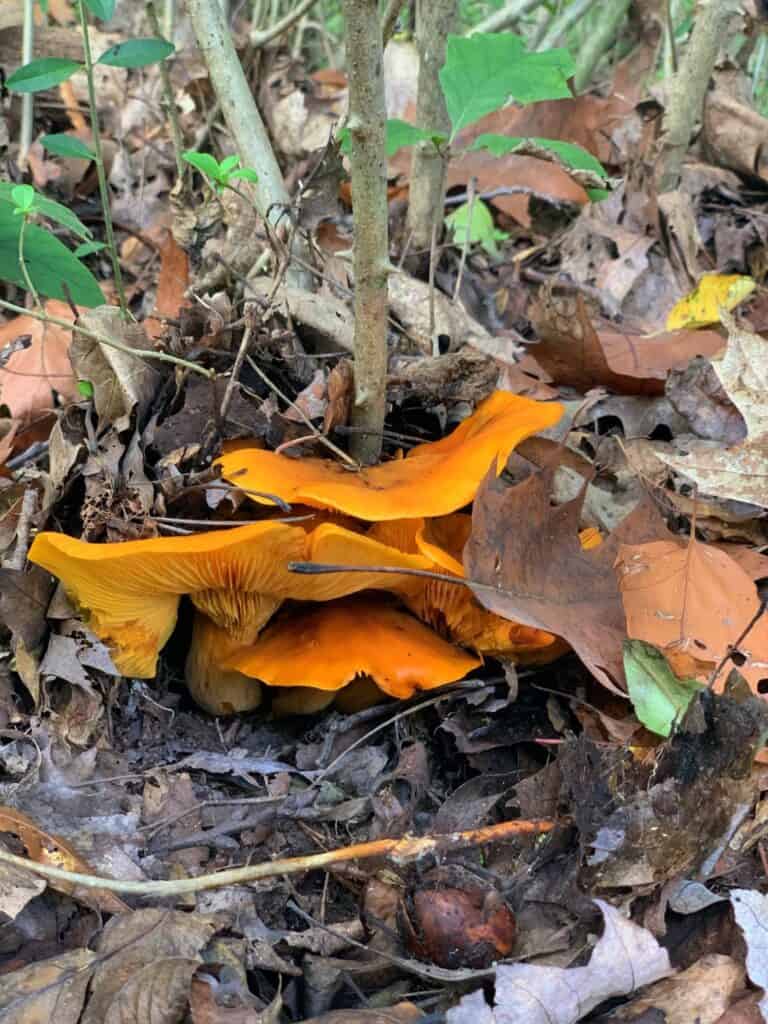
(673, 596)
(53, 989)
(37, 369)
(44, 848)
(146, 944)
(713, 293)
(739, 472)
(750, 909)
(533, 569)
(576, 352)
(626, 958)
(120, 382)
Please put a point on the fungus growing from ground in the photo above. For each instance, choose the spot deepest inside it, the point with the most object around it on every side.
(433, 479)
(327, 646)
(129, 593)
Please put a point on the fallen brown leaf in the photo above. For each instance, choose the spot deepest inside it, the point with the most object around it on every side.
(32, 374)
(576, 353)
(529, 553)
(739, 472)
(45, 848)
(674, 598)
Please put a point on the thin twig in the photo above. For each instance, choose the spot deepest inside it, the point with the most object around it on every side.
(318, 434)
(258, 39)
(28, 509)
(432, 265)
(139, 353)
(168, 101)
(235, 374)
(28, 99)
(472, 195)
(400, 851)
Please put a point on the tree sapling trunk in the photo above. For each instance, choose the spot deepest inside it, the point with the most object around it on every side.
(685, 102)
(434, 20)
(367, 128)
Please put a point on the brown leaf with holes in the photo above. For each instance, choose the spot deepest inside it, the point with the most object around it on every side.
(44, 848)
(31, 375)
(578, 355)
(693, 601)
(535, 571)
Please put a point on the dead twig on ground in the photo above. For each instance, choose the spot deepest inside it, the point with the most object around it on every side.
(399, 851)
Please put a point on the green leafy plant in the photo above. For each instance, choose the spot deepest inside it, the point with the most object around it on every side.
(33, 257)
(46, 261)
(220, 174)
(482, 73)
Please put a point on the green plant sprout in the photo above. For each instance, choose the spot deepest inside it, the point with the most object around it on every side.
(219, 174)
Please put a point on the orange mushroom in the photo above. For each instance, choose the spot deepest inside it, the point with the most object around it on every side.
(327, 646)
(238, 577)
(433, 479)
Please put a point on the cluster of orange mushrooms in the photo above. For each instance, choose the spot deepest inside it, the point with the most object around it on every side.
(344, 636)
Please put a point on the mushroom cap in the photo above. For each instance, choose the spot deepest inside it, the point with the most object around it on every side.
(130, 592)
(218, 690)
(327, 646)
(433, 479)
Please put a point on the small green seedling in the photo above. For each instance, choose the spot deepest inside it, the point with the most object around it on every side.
(23, 199)
(473, 223)
(220, 174)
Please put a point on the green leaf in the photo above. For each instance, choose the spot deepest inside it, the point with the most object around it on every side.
(23, 197)
(49, 262)
(203, 162)
(88, 248)
(597, 195)
(400, 133)
(245, 173)
(659, 697)
(479, 228)
(42, 74)
(485, 71)
(572, 156)
(136, 53)
(52, 210)
(229, 163)
(103, 9)
(85, 388)
(68, 146)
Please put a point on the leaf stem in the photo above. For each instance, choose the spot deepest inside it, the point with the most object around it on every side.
(23, 264)
(99, 160)
(139, 353)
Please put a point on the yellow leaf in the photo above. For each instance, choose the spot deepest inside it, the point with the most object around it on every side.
(702, 306)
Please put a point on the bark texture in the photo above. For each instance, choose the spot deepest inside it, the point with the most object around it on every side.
(367, 126)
